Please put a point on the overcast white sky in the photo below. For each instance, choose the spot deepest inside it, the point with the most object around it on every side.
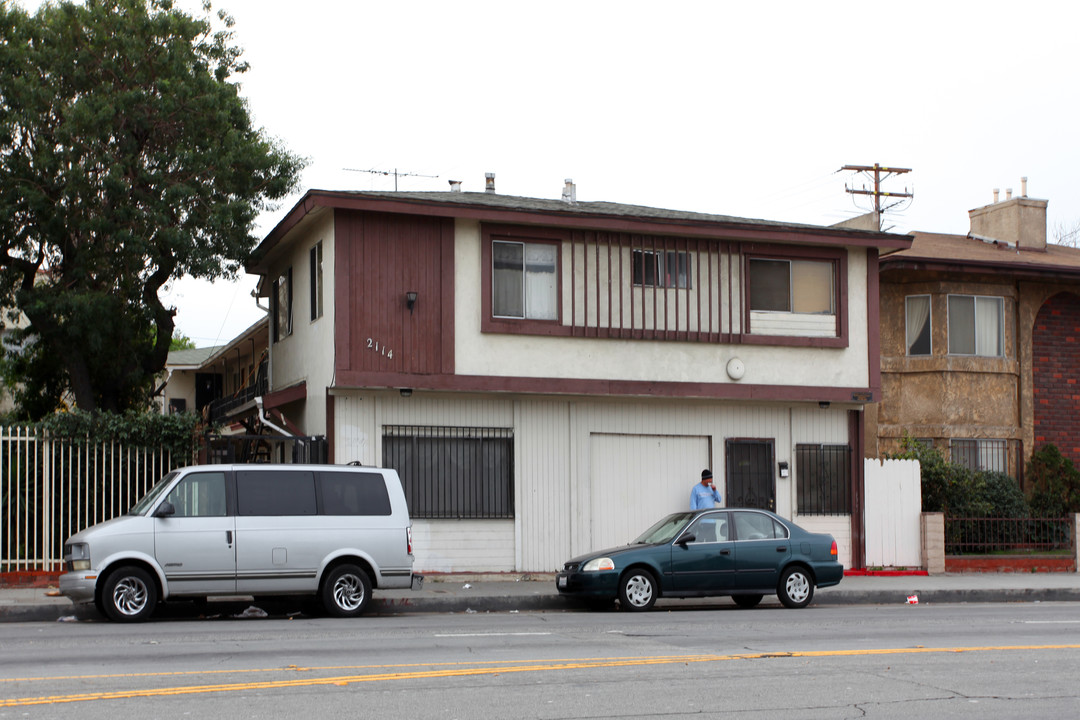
(743, 109)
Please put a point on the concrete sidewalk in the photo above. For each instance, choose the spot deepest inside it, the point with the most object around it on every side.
(505, 593)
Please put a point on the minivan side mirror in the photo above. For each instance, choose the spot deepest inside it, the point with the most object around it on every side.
(165, 509)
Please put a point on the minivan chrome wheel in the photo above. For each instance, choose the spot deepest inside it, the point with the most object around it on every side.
(129, 595)
(346, 591)
(796, 588)
(637, 590)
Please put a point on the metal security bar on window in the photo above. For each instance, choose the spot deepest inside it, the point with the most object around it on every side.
(453, 472)
(823, 474)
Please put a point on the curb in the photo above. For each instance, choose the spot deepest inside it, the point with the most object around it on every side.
(545, 602)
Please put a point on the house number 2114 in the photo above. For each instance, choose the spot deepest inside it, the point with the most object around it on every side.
(375, 346)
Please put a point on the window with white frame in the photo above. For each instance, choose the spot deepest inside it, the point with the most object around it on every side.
(917, 315)
(660, 268)
(793, 286)
(524, 281)
(978, 454)
(316, 265)
(976, 325)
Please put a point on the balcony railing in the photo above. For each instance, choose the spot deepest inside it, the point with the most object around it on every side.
(1007, 536)
(222, 407)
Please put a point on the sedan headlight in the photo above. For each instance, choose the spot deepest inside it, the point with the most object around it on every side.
(597, 564)
(78, 556)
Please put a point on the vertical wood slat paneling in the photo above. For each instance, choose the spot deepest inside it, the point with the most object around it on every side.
(388, 256)
(601, 298)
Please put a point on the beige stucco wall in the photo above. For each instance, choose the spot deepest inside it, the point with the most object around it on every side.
(941, 396)
(478, 353)
(308, 354)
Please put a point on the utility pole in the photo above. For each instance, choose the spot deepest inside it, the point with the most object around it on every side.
(877, 193)
(393, 172)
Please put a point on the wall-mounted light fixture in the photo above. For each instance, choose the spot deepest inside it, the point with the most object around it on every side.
(410, 300)
(783, 467)
(824, 404)
(406, 392)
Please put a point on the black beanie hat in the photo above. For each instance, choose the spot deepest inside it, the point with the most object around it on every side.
(706, 473)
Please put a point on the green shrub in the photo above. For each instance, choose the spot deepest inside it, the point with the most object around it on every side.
(946, 487)
(1054, 482)
(1004, 495)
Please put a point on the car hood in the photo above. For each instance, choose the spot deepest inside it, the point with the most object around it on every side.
(610, 552)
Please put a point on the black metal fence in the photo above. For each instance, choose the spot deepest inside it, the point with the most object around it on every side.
(1008, 536)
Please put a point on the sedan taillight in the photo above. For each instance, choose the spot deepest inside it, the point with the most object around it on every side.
(832, 550)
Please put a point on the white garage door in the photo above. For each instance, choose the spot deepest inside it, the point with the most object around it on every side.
(637, 479)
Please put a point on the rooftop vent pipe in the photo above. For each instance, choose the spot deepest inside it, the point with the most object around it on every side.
(996, 191)
(489, 182)
(455, 186)
(1023, 187)
(569, 193)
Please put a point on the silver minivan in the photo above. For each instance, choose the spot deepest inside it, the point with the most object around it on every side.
(331, 531)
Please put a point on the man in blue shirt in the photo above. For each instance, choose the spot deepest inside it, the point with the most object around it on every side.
(704, 494)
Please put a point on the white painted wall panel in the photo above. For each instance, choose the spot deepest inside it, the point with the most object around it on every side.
(577, 458)
(637, 479)
(463, 545)
(839, 526)
(893, 508)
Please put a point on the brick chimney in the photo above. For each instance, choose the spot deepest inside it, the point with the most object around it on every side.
(1019, 221)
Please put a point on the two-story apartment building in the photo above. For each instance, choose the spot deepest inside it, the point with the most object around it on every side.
(980, 341)
(551, 376)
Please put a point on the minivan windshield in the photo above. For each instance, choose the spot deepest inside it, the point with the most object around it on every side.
(151, 497)
(665, 530)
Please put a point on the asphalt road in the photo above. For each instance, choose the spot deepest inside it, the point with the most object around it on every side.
(980, 661)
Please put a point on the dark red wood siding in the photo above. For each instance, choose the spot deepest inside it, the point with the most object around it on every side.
(378, 259)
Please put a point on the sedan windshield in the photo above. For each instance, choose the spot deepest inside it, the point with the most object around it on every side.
(665, 530)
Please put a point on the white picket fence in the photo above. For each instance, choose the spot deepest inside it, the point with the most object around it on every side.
(51, 488)
(893, 533)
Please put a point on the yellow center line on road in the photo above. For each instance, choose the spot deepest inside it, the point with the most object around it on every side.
(448, 670)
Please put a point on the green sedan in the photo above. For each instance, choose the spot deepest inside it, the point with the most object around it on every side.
(744, 553)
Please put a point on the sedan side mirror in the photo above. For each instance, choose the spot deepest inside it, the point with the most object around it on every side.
(687, 538)
(165, 509)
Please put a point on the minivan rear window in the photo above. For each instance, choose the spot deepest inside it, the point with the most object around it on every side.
(288, 492)
(353, 493)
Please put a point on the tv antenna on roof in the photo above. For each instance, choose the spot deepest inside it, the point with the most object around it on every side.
(393, 172)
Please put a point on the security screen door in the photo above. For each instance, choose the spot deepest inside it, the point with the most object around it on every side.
(750, 479)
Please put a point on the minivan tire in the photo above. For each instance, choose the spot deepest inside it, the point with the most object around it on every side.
(129, 595)
(346, 591)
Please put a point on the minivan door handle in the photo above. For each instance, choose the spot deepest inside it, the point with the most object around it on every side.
(228, 536)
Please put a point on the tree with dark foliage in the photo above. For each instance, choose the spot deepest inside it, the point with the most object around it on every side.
(128, 159)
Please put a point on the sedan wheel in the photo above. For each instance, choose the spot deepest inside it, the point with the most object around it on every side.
(637, 590)
(796, 588)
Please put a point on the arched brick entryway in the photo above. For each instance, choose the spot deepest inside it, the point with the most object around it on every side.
(1055, 343)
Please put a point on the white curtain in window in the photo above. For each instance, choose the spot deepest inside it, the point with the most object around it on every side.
(540, 282)
(988, 329)
(961, 325)
(918, 318)
(992, 455)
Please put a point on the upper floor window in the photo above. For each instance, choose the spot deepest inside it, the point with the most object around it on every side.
(917, 315)
(524, 281)
(664, 269)
(316, 281)
(282, 298)
(976, 325)
(795, 286)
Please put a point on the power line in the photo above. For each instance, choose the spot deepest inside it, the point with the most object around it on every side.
(875, 171)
